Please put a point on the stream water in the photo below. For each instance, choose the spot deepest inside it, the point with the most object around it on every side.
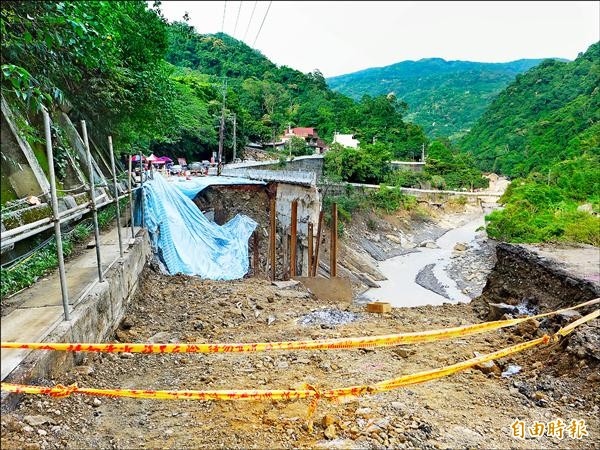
(401, 288)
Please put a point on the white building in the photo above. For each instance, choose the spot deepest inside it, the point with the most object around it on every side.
(347, 140)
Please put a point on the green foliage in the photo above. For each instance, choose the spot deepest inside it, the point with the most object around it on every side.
(298, 146)
(44, 260)
(444, 97)
(104, 58)
(544, 130)
(539, 209)
(451, 169)
(366, 164)
(549, 114)
(391, 199)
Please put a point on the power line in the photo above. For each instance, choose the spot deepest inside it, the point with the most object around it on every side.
(250, 21)
(263, 22)
(224, 11)
(237, 18)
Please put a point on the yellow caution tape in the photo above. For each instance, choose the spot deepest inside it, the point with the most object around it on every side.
(307, 391)
(321, 344)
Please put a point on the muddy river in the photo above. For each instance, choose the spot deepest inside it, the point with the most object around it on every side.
(430, 265)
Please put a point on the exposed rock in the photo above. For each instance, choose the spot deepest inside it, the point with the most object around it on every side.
(394, 239)
(84, 370)
(330, 432)
(160, 337)
(96, 402)
(327, 420)
(127, 323)
(404, 352)
(429, 244)
(488, 366)
(363, 412)
(36, 421)
(497, 310)
(527, 328)
(586, 207)
(594, 377)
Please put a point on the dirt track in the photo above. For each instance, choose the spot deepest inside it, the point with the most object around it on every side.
(470, 409)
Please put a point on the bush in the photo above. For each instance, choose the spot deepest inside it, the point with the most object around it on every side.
(391, 199)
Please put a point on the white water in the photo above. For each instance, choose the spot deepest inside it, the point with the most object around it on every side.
(401, 289)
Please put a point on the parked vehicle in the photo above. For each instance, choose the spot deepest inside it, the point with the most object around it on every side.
(175, 169)
(195, 166)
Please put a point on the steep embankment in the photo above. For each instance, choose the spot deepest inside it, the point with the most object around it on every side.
(445, 97)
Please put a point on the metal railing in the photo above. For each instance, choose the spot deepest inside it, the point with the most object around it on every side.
(20, 233)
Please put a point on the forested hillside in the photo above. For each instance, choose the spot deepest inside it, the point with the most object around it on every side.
(546, 115)
(445, 97)
(158, 86)
(544, 130)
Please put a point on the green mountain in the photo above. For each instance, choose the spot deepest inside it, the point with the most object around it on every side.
(445, 97)
(267, 98)
(544, 128)
(548, 114)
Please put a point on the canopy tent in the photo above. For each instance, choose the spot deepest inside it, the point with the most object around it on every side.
(137, 158)
(152, 158)
(165, 159)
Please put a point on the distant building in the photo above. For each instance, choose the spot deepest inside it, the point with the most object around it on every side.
(310, 135)
(347, 140)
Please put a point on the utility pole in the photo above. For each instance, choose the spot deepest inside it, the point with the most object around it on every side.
(234, 136)
(222, 129)
(423, 152)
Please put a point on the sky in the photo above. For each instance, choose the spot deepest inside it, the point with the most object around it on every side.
(342, 37)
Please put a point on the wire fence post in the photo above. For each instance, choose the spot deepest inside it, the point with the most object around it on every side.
(130, 196)
(116, 191)
(59, 248)
(93, 201)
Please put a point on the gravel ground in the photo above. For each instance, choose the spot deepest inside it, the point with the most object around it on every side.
(470, 409)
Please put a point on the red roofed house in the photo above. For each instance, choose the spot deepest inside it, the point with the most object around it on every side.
(310, 135)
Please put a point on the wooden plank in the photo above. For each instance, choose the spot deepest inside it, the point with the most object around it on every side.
(293, 238)
(310, 249)
(272, 237)
(379, 307)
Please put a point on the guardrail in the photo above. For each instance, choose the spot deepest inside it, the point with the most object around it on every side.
(20, 233)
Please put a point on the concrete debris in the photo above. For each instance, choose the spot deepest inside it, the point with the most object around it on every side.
(328, 317)
(460, 247)
(512, 369)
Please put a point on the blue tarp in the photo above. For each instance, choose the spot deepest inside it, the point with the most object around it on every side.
(191, 187)
(187, 242)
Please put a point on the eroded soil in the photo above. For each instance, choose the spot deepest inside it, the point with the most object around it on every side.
(470, 409)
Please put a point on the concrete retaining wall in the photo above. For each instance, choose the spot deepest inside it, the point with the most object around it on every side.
(94, 319)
